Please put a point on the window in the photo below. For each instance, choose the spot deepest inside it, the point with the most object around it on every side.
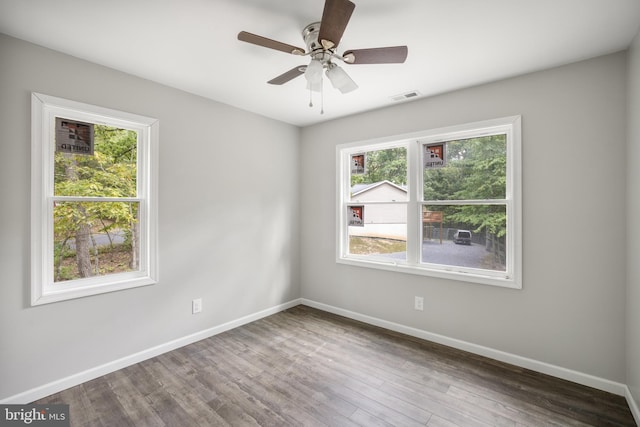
(443, 203)
(94, 204)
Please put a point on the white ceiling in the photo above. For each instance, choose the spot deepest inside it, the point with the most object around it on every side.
(192, 44)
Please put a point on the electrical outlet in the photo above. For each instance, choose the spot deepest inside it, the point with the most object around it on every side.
(418, 303)
(196, 306)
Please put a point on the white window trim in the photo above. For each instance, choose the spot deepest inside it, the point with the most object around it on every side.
(44, 109)
(512, 278)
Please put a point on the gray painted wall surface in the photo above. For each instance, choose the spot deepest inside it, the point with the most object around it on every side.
(570, 312)
(230, 205)
(227, 221)
(633, 235)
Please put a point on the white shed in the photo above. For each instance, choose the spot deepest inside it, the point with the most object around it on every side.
(381, 220)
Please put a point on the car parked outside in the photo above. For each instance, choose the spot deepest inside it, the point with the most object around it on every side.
(462, 237)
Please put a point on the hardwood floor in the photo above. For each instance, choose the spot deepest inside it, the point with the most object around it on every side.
(305, 367)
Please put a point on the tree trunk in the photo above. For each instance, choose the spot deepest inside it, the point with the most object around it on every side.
(83, 245)
(83, 228)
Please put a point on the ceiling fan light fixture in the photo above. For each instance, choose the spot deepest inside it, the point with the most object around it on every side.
(340, 79)
(313, 74)
(321, 39)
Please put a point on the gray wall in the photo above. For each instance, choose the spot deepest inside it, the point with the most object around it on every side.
(227, 221)
(633, 235)
(570, 312)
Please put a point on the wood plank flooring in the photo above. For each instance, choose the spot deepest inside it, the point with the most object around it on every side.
(305, 367)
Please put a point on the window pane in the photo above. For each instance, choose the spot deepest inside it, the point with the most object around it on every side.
(378, 230)
(379, 175)
(95, 239)
(475, 168)
(111, 171)
(465, 236)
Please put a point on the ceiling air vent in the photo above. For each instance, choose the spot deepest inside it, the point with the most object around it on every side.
(405, 96)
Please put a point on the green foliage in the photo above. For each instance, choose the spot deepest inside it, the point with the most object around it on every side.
(110, 172)
(66, 273)
(102, 217)
(475, 170)
(490, 218)
(389, 164)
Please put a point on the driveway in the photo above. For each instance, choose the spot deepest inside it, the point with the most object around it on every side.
(448, 253)
(474, 255)
(101, 239)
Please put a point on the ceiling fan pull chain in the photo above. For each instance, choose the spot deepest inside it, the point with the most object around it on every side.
(310, 98)
(321, 99)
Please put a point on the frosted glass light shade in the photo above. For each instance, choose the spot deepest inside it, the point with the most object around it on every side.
(341, 80)
(313, 74)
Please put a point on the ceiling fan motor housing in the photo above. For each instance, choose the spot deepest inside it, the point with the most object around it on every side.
(314, 47)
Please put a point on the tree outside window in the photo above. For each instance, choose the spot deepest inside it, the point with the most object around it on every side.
(94, 200)
(97, 238)
(444, 203)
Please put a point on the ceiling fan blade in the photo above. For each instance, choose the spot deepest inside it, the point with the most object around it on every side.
(335, 18)
(289, 75)
(378, 55)
(271, 44)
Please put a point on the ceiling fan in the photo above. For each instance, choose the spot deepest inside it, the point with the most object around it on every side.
(322, 39)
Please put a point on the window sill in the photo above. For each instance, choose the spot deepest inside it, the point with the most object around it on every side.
(401, 266)
(85, 288)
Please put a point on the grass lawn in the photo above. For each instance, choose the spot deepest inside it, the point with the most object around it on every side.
(375, 245)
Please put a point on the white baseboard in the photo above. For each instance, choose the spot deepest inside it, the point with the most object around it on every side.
(545, 368)
(90, 374)
(523, 362)
(632, 405)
